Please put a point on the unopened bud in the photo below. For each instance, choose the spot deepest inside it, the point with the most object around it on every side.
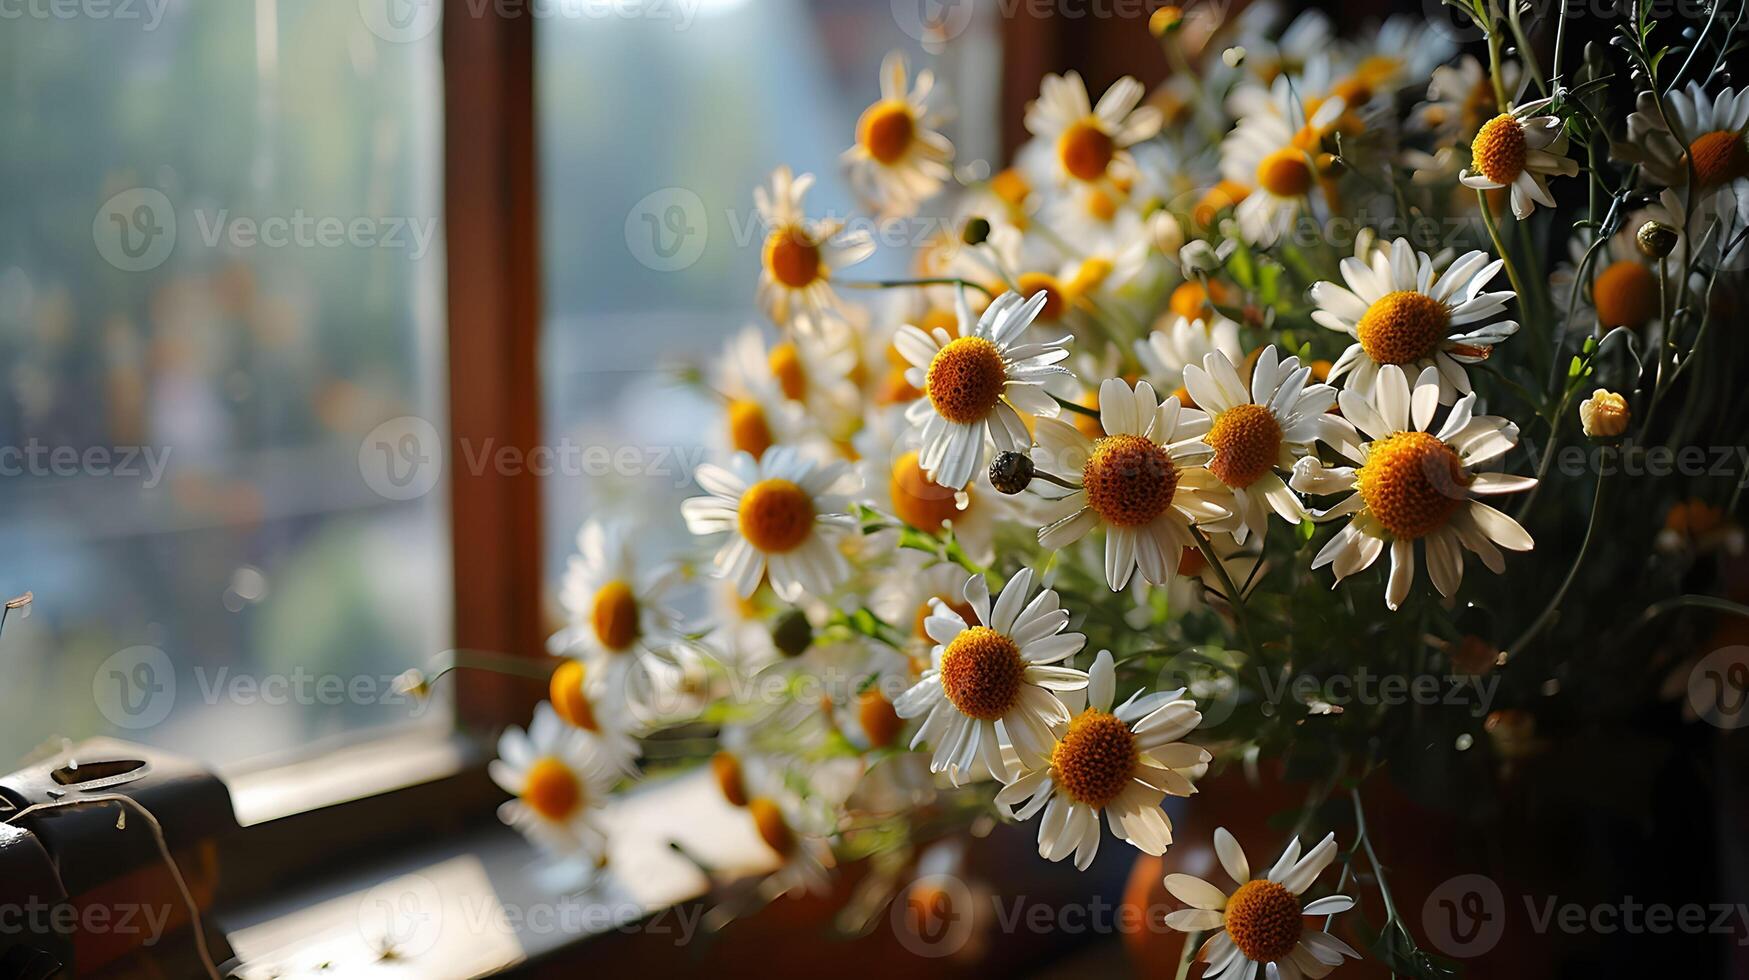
(1011, 472)
(1655, 239)
(1604, 415)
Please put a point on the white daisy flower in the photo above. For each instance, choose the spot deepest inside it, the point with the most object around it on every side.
(1622, 288)
(1400, 312)
(1143, 482)
(559, 778)
(1717, 131)
(1416, 484)
(893, 482)
(569, 691)
(1180, 341)
(992, 683)
(1460, 99)
(1257, 429)
(1263, 922)
(899, 159)
(800, 257)
(618, 624)
(977, 385)
(1121, 762)
(1092, 142)
(1104, 267)
(1271, 153)
(806, 857)
(1520, 150)
(784, 514)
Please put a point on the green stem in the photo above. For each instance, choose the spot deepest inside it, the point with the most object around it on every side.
(1234, 598)
(1548, 612)
(903, 283)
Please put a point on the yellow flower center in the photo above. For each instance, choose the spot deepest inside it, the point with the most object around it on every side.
(1094, 759)
(1056, 297)
(1719, 157)
(614, 616)
(1085, 149)
(1101, 207)
(1129, 480)
(776, 515)
(1499, 148)
(886, 130)
(981, 672)
(785, 362)
(1355, 91)
(1285, 173)
(749, 432)
(726, 768)
(1412, 483)
(1190, 301)
(551, 789)
(1011, 187)
(793, 257)
(965, 379)
(879, 721)
(1263, 920)
(773, 829)
(565, 690)
(1403, 327)
(1247, 441)
(1626, 295)
(918, 500)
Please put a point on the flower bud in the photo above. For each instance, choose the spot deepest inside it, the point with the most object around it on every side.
(1604, 415)
(1655, 239)
(976, 231)
(1198, 257)
(1165, 232)
(1165, 20)
(1011, 472)
(792, 634)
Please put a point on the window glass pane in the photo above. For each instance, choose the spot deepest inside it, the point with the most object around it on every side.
(221, 267)
(651, 237)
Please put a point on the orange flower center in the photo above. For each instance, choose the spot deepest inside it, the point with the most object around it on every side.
(776, 515)
(1247, 440)
(1498, 150)
(918, 500)
(785, 362)
(614, 616)
(749, 431)
(565, 690)
(878, 719)
(1129, 480)
(1191, 301)
(886, 130)
(1402, 327)
(551, 789)
(1094, 759)
(1086, 150)
(965, 379)
(1412, 483)
(1263, 920)
(1101, 207)
(1011, 187)
(1285, 173)
(773, 829)
(1224, 195)
(981, 672)
(1719, 157)
(793, 257)
(726, 768)
(1056, 301)
(1626, 295)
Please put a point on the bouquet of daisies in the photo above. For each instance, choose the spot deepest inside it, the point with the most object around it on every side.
(1262, 375)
